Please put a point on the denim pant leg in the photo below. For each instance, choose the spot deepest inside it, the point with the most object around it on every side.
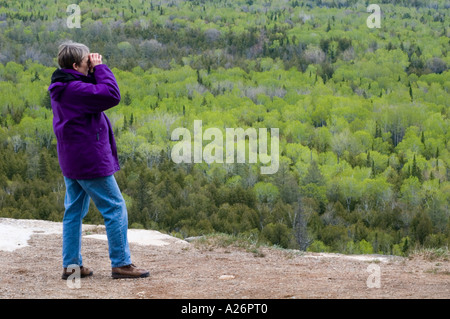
(76, 203)
(107, 197)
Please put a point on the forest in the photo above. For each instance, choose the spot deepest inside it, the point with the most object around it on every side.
(363, 117)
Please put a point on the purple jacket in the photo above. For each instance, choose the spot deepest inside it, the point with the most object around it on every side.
(85, 140)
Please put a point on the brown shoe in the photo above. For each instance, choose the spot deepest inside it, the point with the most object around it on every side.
(129, 271)
(84, 272)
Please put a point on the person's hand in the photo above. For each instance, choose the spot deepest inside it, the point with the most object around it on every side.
(94, 59)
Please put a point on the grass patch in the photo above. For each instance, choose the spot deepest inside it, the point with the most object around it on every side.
(437, 271)
(220, 240)
(432, 254)
(248, 243)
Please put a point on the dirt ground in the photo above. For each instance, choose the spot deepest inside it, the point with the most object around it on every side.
(210, 270)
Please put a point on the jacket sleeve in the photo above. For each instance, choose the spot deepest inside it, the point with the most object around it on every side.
(96, 98)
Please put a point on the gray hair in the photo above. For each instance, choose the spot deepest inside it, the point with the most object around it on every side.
(71, 52)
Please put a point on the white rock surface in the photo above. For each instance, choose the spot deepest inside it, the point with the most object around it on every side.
(145, 237)
(15, 233)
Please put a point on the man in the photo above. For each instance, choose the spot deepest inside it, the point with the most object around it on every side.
(80, 91)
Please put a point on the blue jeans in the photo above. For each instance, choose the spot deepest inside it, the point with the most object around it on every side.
(107, 197)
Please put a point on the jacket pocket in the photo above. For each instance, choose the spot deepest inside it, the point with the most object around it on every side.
(100, 135)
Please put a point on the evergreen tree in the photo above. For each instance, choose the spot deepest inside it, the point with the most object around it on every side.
(372, 171)
(377, 130)
(368, 160)
(125, 123)
(46, 102)
(405, 247)
(415, 170)
(421, 226)
(437, 158)
(328, 26)
(43, 166)
(411, 92)
(127, 98)
(300, 228)
(131, 119)
(313, 175)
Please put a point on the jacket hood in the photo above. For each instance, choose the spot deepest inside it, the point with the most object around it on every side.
(56, 89)
(62, 77)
